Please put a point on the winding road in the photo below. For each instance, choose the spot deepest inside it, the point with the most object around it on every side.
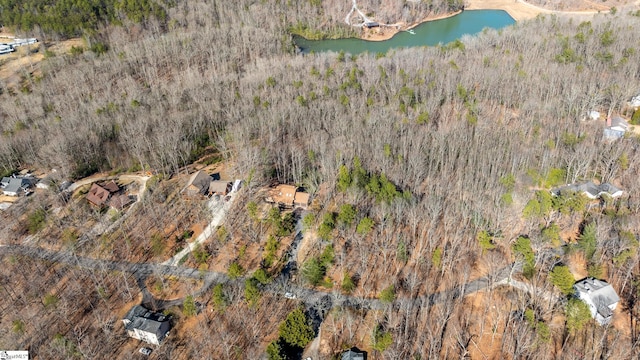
(320, 300)
(365, 19)
(312, 297)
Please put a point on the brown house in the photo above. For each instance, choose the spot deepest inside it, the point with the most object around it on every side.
(288, 196)
(220, 187)
(107, 194)
(98, 195)
(301, 199)
(111, 187)
(198, 184)
(119, 201)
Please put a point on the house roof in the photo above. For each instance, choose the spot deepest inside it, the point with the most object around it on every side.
(284, 194)
(145, 320)
(352, 355)
(610, 189)
(98, 195)
(118, 202)
(618, 123)
(589, 189)
(601, 293)
(301, 198)
(15, 184)
(111, 187)
(198, 182)
(219, 186)
(613, 134)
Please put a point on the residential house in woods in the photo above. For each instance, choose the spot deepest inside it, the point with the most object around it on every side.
(589, 189)
(301, 199)
(288, 196)
(616, 128)
(107, 194)
(353, 354)
(97, 195)
(198, 184)
(220, 187)
(145, 325)
(111, 187)
(600, 296)
(49, 180)
(17, 185)
(119, 201)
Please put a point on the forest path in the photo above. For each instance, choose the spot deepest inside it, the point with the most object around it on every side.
(219, 209)
(355, 8)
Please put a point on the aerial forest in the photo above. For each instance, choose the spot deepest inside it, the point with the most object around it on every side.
(430, 167)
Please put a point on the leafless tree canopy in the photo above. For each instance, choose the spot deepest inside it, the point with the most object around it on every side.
(444, 124)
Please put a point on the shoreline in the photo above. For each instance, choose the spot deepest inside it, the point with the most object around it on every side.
(391, 30)
(519, 10)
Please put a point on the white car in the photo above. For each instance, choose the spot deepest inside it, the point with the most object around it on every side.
(290, 295)
(145, 351)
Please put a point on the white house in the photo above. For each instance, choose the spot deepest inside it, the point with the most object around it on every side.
(616, 128)
(589, 189)
(600, 296)
(635, 101)
(145, 325)
(15, 186)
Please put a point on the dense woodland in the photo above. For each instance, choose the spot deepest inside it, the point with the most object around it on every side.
(424, 162)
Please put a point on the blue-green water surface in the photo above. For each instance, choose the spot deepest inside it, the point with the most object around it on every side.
(426, 34)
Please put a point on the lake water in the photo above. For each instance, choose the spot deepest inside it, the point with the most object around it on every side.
(426, 34)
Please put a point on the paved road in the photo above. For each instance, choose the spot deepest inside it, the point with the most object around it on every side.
(140, 271)
(314, 298)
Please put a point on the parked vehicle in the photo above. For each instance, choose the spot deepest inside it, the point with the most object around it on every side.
(145, 351)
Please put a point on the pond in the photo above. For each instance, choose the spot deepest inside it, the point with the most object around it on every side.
(426, 34)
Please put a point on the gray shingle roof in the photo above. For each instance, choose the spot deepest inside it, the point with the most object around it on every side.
(198, 183)
(141, 318)
(600, 292)
(352, 355)
(589, 189)
(15, 184)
